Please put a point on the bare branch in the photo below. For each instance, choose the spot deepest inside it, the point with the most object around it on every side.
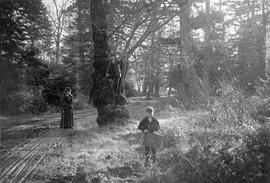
(124, 21)
(147, 32)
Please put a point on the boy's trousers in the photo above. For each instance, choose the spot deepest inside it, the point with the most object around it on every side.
(148, 155)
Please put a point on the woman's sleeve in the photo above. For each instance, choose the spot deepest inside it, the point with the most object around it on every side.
(63, 101)
(68, 99)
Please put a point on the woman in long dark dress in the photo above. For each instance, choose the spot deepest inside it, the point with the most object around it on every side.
(67, 110)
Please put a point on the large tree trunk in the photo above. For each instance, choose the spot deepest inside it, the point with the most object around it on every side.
(110, 104)
(266, 34)
(185, 28)
(267, 52)
(151, 67)
(150, 86)
(139, 82)
(145, 85)
(206, 64)
(170, 75)
(188, 89)
(78, 48)
(157, 66)
(57, 49)
(157, 87)
(157, 75)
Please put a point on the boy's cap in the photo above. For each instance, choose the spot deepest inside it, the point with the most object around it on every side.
(150, 109)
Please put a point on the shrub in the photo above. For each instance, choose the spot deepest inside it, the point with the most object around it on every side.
(224, 145)
(233, 109)
(37, 103)
(25, 101)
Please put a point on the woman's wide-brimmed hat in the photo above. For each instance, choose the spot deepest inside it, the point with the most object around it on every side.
(67, 89)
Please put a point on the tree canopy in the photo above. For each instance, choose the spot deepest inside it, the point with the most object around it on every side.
(173, 45)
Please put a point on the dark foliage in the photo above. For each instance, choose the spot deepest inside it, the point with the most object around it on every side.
(246, 164)
(55, 85)
(24, 24)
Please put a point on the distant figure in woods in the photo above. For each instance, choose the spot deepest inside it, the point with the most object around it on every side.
(114, 71)
(149, 125)
(67, 110)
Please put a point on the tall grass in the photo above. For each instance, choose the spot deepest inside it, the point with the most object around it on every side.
(225, 144)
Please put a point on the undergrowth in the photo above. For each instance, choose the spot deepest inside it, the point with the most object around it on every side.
(226, 144)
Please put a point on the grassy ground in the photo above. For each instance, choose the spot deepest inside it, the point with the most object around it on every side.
(108, 154)
(114, 154)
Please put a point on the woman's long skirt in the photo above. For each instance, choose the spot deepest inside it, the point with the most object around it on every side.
(67, 118)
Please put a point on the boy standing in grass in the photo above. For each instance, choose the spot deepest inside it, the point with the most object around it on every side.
(149, 124)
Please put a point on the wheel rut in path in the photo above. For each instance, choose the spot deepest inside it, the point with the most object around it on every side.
(20, 162)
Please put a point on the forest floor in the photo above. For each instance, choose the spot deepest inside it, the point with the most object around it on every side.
(36, 150)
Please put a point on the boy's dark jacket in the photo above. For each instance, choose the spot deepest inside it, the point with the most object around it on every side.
(146, 125)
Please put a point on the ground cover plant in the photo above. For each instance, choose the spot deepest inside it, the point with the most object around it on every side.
(224, 144)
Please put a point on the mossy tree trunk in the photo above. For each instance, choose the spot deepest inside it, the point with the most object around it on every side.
(110, 104)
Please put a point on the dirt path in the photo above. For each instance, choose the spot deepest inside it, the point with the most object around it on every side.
(22, 160)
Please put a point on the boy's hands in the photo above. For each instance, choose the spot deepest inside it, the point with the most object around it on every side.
(146, 131)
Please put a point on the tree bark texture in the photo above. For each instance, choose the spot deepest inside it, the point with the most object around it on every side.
(206, 64)
(266, 34)
(188, 88)
(110, 104)
(267, 52)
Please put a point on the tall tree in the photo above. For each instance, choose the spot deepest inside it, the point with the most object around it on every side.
(77, 46)
(248, 41)
(109, 103)
(59, 19)
(189, 86)
(207, 30)
(135, 21)
(267, 52)
(194, 63)
(24, 27)
(266, 22)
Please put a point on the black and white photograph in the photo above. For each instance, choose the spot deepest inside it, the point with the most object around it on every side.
(134, 91)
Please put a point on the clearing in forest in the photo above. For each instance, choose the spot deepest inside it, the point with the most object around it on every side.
(86, 153)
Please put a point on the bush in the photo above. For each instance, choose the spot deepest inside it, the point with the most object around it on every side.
(224, 145)
(246, 162)
(233, 109)
(13, 103)
(26, 101)
(37, 104)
